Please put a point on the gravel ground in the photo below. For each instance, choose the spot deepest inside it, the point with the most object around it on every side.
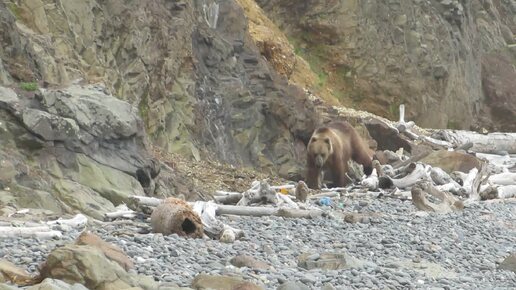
(399, 248)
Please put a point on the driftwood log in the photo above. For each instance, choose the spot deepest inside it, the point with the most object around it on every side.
(260, 192)
(506, 178)
(448, 202)
(242, 210)
(493, 143)
(498, 192)
(213, 227)
(258, 211)
(40, 232)
(417, 172)
(176, 216)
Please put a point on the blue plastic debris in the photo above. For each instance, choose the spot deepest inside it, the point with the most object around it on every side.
(325, 201)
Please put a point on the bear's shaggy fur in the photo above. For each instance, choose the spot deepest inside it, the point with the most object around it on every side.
(330, 148)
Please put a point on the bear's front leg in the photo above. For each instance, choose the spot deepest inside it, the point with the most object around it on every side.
(340, 178)
(313, 178)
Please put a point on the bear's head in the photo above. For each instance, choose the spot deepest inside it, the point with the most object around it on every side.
(319, 149)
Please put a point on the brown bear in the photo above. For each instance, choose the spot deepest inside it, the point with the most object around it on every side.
(330, 148)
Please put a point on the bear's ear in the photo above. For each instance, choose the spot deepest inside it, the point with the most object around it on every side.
(328, 143)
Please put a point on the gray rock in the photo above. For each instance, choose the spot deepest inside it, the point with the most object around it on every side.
(293, 286)
(9, 100)
(509, 263)
(53, 284)
(50, 127)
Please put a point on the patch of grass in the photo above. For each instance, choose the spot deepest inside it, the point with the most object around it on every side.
(143, 108)
(323, 76)
(30, 87)
(14, 10)
(454, 125)
(394, 109)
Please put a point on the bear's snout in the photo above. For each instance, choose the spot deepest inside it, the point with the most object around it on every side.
(319, 161)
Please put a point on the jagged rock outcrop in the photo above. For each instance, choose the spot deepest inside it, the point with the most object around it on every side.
(201, 88)
(71, 149)
(434, 56)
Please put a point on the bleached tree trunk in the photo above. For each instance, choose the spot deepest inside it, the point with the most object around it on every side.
(482, 143)
(42, 232)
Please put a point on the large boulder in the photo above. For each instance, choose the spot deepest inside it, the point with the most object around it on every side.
(88, 266)
(88, 149)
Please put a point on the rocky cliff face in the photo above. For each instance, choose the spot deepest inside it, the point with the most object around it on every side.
(94, 92)
(438, 57)
(190, 79)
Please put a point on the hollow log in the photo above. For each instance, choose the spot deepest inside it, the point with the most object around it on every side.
(493, 143)
(176, 216)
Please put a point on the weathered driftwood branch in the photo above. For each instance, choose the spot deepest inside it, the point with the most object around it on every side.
(266, 211)
(41, 232)
(176, 216)
(224, 193)
(44, 231)
(260, 192)
(285, 186)
(284, 199)
(501, 162)
(145, 200)
(241, 210)
(121, 211)
(298, 213)
(232, 198)
(448, 202)
(213, 227)
(454, 188)
(418, 172)
(77, 221)
(506, 178)
(481, 177)
(482, 143)
(439, 176)
(337, 189)
(403, 126)
(324, 194)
